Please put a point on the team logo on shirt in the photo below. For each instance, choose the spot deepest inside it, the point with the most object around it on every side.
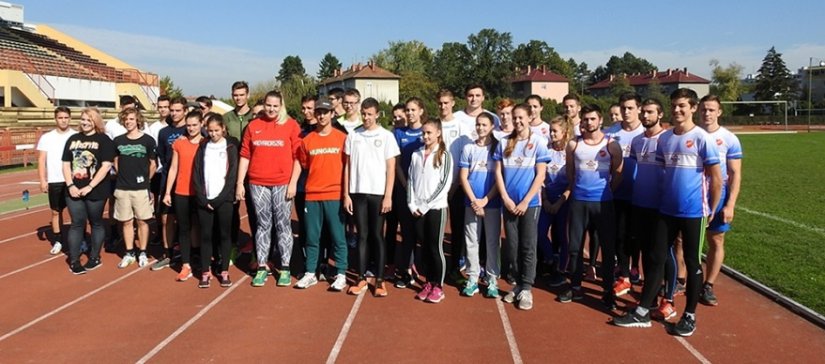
(689, 143)
(645, 156)
(519, 161)
(719, 142)
(378, 143)
(591, 164)
(529, 146)
(674, 158)
(482, 164)
(602, 153)
(554, 168)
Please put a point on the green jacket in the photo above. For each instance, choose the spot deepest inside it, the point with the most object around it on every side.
(235, 123)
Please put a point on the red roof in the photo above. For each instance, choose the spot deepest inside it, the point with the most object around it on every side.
(370, 70)
(668, 76)
(538, 74)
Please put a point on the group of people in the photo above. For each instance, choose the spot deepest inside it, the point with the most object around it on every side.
(632, 192)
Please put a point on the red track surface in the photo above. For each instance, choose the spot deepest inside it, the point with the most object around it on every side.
(114, 315)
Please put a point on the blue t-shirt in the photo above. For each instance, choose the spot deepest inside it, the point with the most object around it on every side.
(519, 169)
(729, 148)
(624, 138)
(409, 140)
(592, 166)
(647, 186)
(684, 186)
(478, 160)
(556, 180)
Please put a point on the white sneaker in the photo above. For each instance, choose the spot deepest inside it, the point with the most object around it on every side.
(127, 260)
(142, 260)
(56, 248)
(308, 280)
(339, 284)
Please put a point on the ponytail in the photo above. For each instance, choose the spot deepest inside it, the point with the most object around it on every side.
(442, 147)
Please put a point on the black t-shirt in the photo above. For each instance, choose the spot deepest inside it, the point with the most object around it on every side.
(166, 137)
(87, 154)
(133, 157)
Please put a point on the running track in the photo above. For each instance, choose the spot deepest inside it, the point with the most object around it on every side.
(134, 315)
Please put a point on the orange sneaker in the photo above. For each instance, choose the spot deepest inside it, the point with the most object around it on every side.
(621, 287)
(665, 311)
(359, 288)
(185, 273)
(380, 290)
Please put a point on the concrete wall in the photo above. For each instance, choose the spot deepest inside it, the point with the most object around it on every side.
(19, 90)
(381, 89)
(78, 89)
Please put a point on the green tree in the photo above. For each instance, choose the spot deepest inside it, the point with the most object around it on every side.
(294, 89)
(416, 84)
(328, 66)
(774, 81)
(492, 63)
(451, 67)
(627, 64)
(168, 88)
(654, 91)
(726, 81)
(291, 67)
(403, 57)
(619, 86)
(578, 81)
(538, 53)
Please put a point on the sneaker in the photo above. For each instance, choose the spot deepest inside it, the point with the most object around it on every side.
(622, 287)
(632, 319)
(380, 290)
(308, 280)
(284, 279)
(359, 288)
(224, 280)
(685, 327)
(160, 264)
(339, 283)
(204, 282)
(556, 280)
(142, 260)
(185, 273)
(590, 275)
(77, 269)
(127, 260)
(525, 300)
(635, 277)
(425, 292)
(322, 272)
(436, 294)
(369, 274)
(492, 291)
(233, 255)
(56, 248)
(510, 297)
(571, 294)
(510, 280)
(404, 280)
(93, 264)
(260, 278)
(680, 289)
(707, 296)
(470, 289)
(665, 311)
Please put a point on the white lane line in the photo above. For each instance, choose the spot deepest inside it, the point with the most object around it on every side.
(67, 305)
(18, 237)
(191, 322)
(34, 211)
(32, 265)
(814, 229)
(342, 336)
(508, 331)
(692, 350)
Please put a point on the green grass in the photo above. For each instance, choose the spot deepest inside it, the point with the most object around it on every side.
(18, 168)
(782, 176)
(37, 199)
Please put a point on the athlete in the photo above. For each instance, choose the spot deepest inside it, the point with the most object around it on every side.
(50, 171)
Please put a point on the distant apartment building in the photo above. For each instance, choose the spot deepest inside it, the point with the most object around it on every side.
(669, 80)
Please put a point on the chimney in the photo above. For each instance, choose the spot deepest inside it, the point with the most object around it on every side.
(686, 72)
(529, 69)
(543, 69)
(372, 65)
(653, 74)
(669, 72)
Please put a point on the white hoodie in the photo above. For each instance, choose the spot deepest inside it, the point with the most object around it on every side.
(428, 185)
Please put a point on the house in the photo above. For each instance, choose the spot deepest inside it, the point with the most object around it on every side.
(539, 81)
(669, 80)
(370, 80)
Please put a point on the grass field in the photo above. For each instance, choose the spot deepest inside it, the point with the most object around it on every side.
(782, 179)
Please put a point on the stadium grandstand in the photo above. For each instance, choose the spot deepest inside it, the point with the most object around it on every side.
(41, 68)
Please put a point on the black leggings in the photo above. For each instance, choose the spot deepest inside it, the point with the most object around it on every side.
(429, 230)
(219, 219)
(370, 223)
(589, 216)
(457, 243)
(408, 242)
(187, 219)
(693, 237)
(654, 251)
(627, 242)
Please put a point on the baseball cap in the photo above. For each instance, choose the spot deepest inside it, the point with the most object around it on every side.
(323, 103)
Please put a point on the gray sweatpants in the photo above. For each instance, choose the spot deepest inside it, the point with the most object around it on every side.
(521, 242)
(272, 208)
(491, 225)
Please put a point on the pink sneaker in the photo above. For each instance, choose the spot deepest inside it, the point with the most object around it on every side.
(425, 292)
(436, 295)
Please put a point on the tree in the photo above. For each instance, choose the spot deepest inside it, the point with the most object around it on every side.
(581, 74)
(168, 88)
(294, 89)
(626, 64)
(291, 67)
(620, 86)
(451, 67)
(654, 91)
(726, 81)
(403, 57)
(774, 81)
(538, 53)
(416, 84)
(328, 66)
(492, 62)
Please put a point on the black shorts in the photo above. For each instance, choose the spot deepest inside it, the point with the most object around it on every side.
(57, 196)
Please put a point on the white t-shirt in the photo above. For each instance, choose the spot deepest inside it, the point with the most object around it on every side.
(114, 129)
(154, 129)
(214, 169)
(368, 151)
(53, 143)
(456, 135)
(349, 125)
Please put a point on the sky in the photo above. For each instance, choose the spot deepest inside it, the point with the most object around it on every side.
(206, 45)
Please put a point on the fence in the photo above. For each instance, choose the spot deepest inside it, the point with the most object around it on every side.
(17, 146)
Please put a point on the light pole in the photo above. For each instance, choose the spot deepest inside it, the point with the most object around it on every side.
(810, 86)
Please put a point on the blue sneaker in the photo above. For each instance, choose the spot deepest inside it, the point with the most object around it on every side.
(470, 289)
